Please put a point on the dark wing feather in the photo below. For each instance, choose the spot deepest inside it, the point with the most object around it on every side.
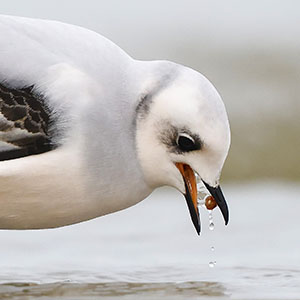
(24, 123)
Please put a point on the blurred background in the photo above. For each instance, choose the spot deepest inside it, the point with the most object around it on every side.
(250, 50)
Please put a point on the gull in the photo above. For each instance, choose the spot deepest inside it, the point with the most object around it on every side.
(86, 130)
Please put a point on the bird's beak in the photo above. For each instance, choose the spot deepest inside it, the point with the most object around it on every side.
(190, 193)
(216, 192)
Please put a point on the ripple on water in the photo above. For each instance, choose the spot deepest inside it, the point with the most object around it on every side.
(110, 290)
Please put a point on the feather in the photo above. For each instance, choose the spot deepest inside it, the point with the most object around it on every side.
(24, 123)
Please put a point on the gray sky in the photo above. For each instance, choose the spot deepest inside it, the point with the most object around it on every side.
(137, 25)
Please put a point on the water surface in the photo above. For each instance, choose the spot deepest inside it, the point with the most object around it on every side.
(151, 251)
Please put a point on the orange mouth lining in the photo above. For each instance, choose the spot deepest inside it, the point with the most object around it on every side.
(189, 177)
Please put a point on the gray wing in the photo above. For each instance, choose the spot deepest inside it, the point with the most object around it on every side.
(24, 123)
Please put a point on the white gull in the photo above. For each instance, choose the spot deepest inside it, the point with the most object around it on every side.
(85, 130)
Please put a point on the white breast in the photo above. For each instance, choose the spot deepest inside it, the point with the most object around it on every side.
(43, 191)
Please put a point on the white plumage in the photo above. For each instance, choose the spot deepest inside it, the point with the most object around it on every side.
(107, 139)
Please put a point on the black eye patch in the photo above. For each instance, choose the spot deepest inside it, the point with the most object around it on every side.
(178, 140)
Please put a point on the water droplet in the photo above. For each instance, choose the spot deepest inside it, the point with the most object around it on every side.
(211, 264)
(201, 188)
(212, 248)
(211, 226)
(201, 203)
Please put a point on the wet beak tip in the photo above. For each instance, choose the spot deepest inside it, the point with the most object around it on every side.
(216, 192)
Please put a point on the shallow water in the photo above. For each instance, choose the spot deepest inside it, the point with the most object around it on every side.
(152, 251)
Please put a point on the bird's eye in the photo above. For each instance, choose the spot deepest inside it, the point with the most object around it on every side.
(185, 142)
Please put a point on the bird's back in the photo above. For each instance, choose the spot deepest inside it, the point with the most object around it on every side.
(29, 46)
(58, 104)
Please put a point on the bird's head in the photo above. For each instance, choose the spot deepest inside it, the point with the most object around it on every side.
(182, 129)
